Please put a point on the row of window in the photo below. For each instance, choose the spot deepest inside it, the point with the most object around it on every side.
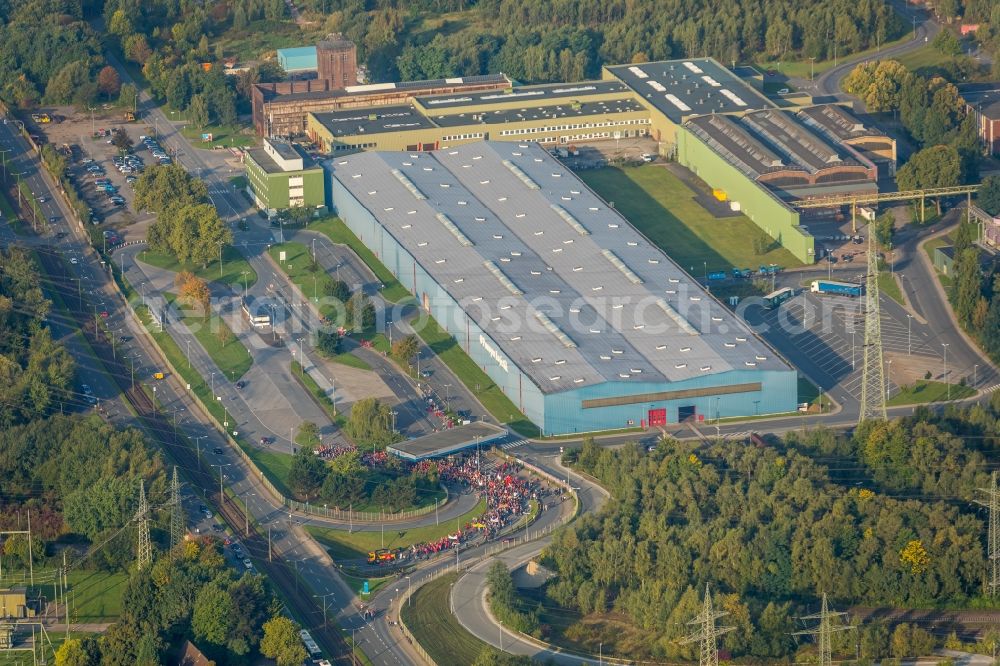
(563, 128)
(359, 146)
(462, 137)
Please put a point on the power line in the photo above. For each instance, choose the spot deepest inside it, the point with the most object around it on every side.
(144, 549)
(993, 533)
(824, 630)
(872, 372)
(707, 633)
(176, 512)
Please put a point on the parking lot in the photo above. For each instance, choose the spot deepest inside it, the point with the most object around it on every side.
(102, 172)
(823, 336)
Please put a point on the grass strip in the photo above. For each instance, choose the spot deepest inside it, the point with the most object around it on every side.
(217, 339)
(344, 545)
(429, 619)
(337, 231)
(924, 391)
(888, 285)
(234, 267)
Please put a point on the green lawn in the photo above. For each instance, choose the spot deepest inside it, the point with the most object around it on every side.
(925, 391)
(275, 466)
(927, 61)
(663, 208)
(312, 283)
(233, 267)
(239, 182)
(357, 584)
(231, 357)
(95, 595)
(19, 657)
(888, 285)
(338, 232)
(436, 628)
(19, 226)
(346, 358)
(488, 393)
(261, 38)
(343, 545)
(222, 136)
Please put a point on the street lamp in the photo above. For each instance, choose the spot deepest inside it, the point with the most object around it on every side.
(246, 513)
(244, 274)
(909, 324)
(944, 377)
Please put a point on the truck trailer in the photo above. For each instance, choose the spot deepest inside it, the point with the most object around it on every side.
(850, 289)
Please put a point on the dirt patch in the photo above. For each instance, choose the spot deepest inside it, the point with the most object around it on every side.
(907, 369)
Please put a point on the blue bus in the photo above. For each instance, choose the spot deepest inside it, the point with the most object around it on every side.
(776, 298)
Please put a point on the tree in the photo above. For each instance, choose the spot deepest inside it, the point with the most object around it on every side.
(370, 423)
(71, 84)
(308, 435)
(937, 166)
(966, 285)
(214, 614)
(160, 187)
(884, 227)
(108, 81)
(360, 311)
(192, 233)
(988, 196)
(947, 43)
(137, 49)
(77, 652)
(490, 656)
(404, 349)
(193, 291)
(197, 111)
(328, 344)
(306, 473)
(128, 96)
(282, 643)
(122, 141)
(337, 289)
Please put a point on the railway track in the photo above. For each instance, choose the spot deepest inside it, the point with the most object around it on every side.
(180, 451)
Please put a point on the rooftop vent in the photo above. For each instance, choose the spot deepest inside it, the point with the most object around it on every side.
(503, 279)
(455, 231)
(620, 265)
(523, 177)
(552, 328)
(408, 184)
(570, 220)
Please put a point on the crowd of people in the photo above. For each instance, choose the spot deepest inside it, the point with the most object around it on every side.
(507, 494)
(369, 459)
(506, 491)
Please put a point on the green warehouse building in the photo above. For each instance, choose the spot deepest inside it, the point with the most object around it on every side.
(281, 176)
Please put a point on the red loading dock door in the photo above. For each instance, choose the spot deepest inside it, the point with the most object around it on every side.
(657, 417)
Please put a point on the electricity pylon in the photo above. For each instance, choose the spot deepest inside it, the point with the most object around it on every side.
(144, 549)
(707, 633)
(176, 512)
(873, 371)
(825, 630)
(993, 536)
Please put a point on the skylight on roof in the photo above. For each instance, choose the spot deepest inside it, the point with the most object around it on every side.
(621, 266)
(501, 278)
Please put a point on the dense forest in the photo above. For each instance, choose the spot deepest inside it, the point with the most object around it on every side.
(51, 52)
(564, 40)
(882, 518)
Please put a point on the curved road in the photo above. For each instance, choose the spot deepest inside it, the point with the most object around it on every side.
(828, 83)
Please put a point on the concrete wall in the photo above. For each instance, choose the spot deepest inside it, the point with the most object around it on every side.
(779, 394)
(763, 208)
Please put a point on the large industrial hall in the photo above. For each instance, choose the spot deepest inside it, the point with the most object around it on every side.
(580, 320)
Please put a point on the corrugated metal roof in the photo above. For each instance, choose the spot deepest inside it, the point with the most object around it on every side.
(567, 312)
